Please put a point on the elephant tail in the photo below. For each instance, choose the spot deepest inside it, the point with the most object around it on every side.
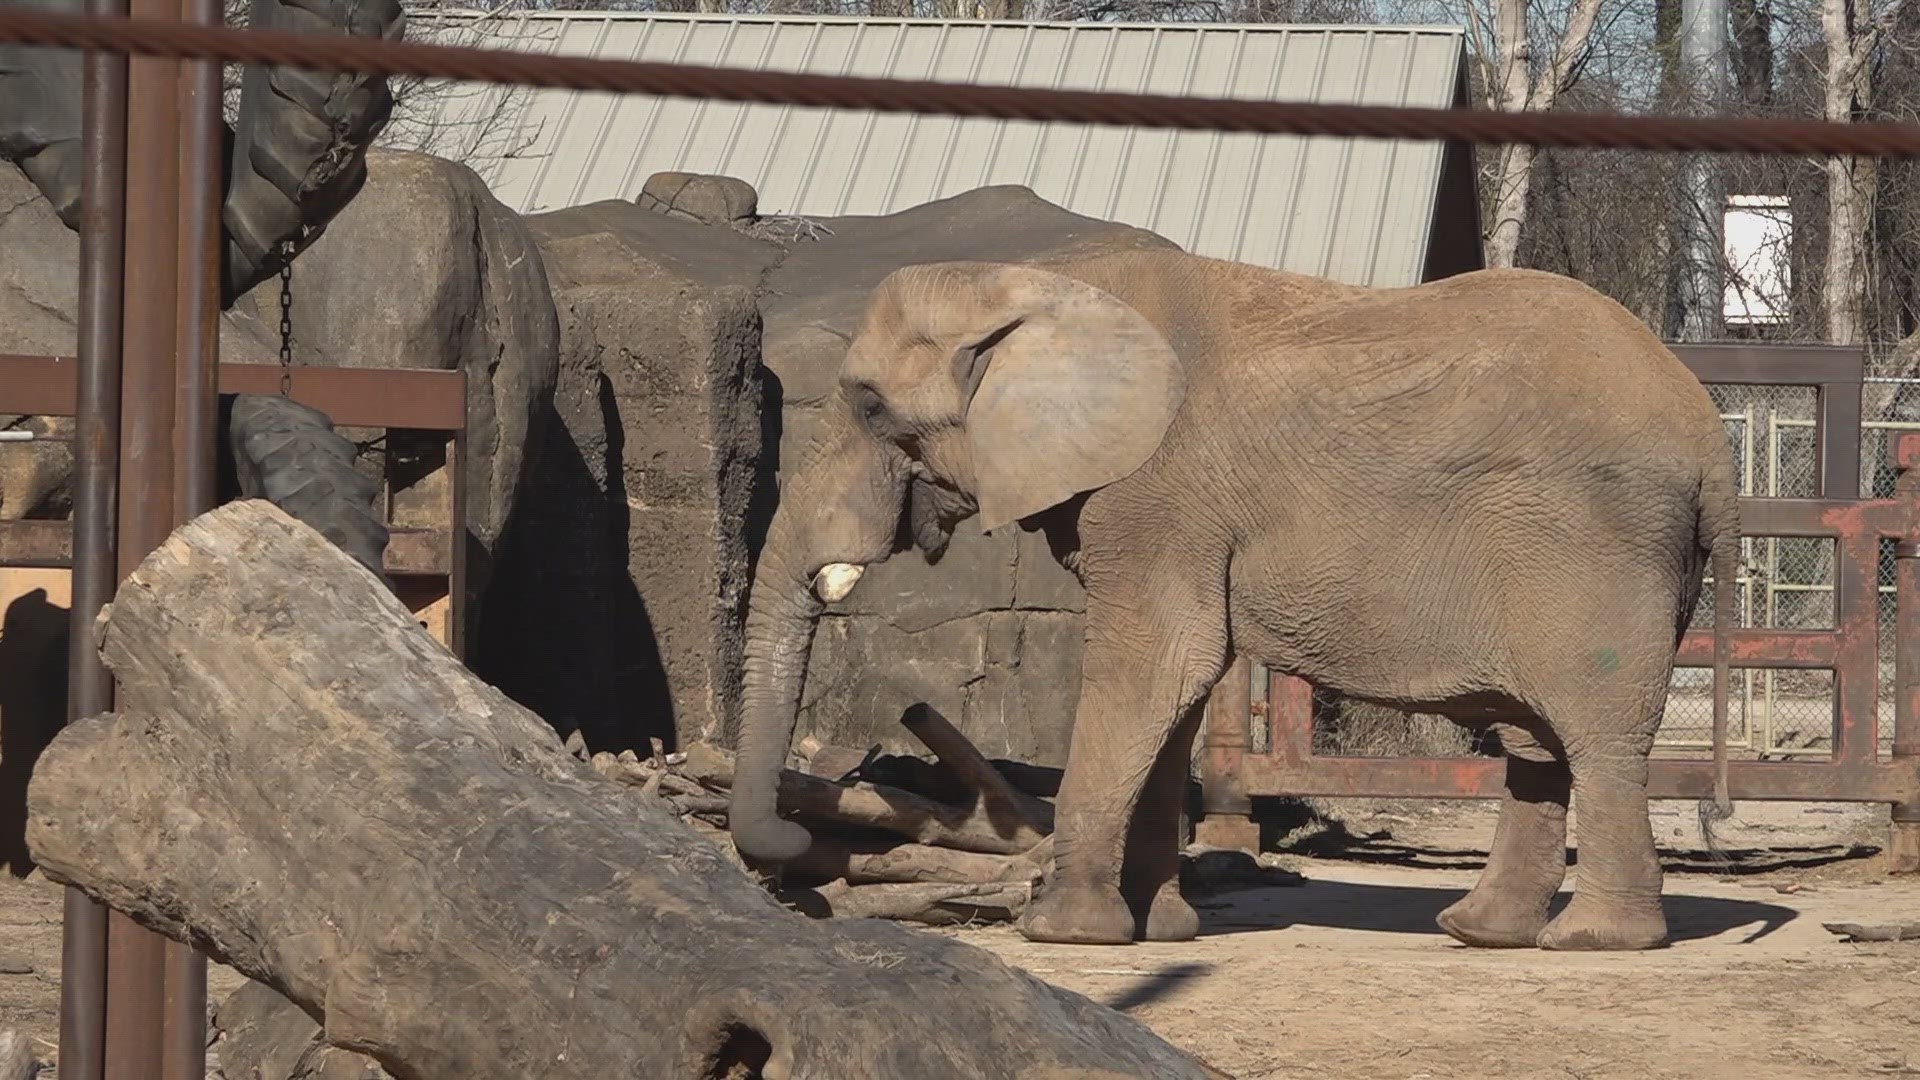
(1720, 528)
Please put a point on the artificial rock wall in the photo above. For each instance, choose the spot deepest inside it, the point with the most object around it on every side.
(700, 344)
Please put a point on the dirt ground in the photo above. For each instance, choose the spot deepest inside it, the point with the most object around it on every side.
(1345, 975)
(1341, 972)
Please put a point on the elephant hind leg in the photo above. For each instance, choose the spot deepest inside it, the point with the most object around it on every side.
(1507, 907)
(1616, 900)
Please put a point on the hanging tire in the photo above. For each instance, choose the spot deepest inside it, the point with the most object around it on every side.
(300, 137)
(289, 454)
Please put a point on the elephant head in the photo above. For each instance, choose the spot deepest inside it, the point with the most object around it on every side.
(998, 389)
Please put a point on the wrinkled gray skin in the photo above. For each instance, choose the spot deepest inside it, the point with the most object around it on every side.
(1374, 490)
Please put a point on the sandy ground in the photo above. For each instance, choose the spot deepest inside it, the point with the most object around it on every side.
(1346, 975)
(1343, 974)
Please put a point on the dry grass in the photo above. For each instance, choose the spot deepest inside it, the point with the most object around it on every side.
(1358, 729)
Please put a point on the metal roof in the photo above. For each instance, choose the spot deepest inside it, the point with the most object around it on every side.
(1357, 210)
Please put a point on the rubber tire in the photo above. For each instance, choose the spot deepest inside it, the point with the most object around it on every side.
(40, 116)
(289, 454)
(298, 151)
(300, 138)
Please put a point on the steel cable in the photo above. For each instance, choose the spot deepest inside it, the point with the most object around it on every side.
(334, 52)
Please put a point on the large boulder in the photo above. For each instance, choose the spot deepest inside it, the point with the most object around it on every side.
(635, 594)
(427, 269)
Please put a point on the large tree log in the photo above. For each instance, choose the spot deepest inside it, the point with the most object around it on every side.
(307, 786)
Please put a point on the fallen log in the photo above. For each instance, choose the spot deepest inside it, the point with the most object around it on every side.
(875, 862)
(17, 1060)
(259, 1035)
(876, 806)
(308, 787)
(934, 904)
(998, 800)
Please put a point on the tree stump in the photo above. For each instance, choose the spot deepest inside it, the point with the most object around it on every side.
(304, 784)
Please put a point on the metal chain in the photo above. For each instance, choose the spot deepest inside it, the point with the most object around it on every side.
(286, 321)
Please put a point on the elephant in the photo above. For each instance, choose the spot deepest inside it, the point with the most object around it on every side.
(1492, 497)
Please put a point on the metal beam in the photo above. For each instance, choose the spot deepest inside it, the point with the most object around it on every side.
(136, 957)
(95, 385)
(411, 399)
(195, 457)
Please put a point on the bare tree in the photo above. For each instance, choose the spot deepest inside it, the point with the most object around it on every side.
(1851, 35)
(1514, 82)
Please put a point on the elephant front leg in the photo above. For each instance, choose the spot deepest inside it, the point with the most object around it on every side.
(1150, 876)
(1136, 685)
(1528, 862)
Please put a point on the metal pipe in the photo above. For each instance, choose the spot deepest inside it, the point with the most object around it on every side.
(197, 359)
(202, 180)
(136, 957)
(1903, 838)
(96, 452)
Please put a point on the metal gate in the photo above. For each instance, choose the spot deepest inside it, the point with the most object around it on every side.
(1233, 771)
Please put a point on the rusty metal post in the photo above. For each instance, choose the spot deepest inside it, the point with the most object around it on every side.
(96, 452)
(1903, 846)
(1227, 809)
(136, 957)
(197, 407)
(202, 182)
(1903, 842)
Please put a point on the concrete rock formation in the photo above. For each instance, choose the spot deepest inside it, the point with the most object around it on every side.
(675, 337)
(638, 583)
(705, 200)
(637, 377)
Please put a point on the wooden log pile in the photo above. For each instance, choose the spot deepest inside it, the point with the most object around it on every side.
(959, 838)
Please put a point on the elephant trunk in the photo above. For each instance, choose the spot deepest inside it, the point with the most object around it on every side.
(840, 514)
(781, 615)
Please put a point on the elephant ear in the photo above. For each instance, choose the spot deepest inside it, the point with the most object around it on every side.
(1071, 390)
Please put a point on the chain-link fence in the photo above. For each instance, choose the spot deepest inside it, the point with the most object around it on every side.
(1787, 582)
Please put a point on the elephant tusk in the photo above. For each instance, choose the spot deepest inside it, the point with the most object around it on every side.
(836, 580)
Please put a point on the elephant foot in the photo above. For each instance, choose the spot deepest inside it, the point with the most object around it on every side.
(1486, 920)
(1592, 925)
(1079, 915)
(1171, 918)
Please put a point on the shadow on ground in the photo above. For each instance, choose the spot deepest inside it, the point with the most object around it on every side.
(1411, 909)
(1291, 827)
(1151, 986)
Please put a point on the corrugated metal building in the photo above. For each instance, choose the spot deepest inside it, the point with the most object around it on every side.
(1366, 211)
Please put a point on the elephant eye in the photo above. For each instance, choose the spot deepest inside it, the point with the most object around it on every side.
(871, 411)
